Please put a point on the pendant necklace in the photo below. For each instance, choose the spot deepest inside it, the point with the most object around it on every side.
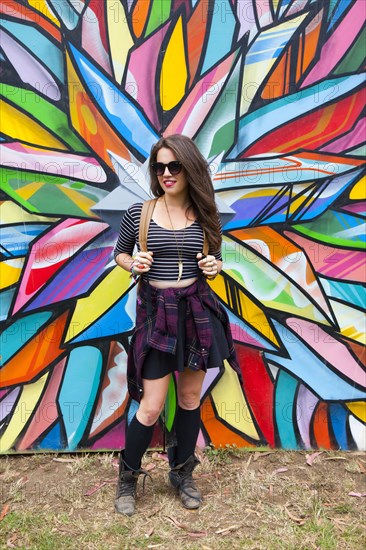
(180, 252)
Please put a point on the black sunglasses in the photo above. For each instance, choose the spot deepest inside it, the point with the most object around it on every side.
(174, 167)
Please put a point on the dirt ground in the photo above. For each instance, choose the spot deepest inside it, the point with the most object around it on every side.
(252, 499)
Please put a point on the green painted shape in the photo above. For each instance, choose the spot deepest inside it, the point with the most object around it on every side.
(224, 138)
(49, 200)
(170, 404)
(354, 58)
(326, 229)
(358, 152)
(52, 118)
(159, 14)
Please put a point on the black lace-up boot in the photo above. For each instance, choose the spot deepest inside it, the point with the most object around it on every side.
(126, 488)
(181, 478)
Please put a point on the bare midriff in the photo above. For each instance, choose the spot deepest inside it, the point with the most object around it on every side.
(172, 284)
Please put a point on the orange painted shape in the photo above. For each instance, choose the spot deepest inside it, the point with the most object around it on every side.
(321, 427)
(275, 85)
(219, 434)
(196, 30)
(358, 350)
(36, 355)
(139, 16)
(80, 105)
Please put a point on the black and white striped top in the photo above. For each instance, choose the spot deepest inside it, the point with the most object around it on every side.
(163, 244)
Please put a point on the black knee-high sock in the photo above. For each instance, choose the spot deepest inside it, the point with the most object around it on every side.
(187, 426)
(138, 438)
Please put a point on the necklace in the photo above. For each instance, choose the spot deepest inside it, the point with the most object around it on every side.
(180, 252)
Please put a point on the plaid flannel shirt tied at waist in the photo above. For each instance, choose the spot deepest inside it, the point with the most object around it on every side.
(164, 332)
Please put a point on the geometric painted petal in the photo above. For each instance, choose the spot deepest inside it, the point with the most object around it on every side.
(113, 394)
(89, 310)
(231, 404)
(26, 407)
(78, 391)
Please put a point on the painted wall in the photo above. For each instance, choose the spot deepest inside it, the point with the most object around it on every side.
(272, 92)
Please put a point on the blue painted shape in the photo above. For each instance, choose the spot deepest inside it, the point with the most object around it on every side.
(78, 391)
(66, 13)
(119, 319)
(248, 209)
(39, 45)
(350, 293)
(20, 332)
(309, 368)
(15, 239)
(53, 440)
(336, 11)
(326, 196)
(221, 33)
(123, 115)
(338, 418)
(132, 410)
(286, 386)
(260, 122)
(6, 298)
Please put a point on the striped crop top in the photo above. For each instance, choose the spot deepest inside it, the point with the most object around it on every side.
(163, 244)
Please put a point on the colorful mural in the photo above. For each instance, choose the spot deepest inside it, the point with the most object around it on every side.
(272, 92)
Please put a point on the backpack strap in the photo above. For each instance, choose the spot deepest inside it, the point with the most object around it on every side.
(146, 215)
(205, 244)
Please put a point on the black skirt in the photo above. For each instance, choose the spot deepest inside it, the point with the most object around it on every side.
(158, 363)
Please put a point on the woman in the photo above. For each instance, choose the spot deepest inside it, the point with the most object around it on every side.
(180, 325)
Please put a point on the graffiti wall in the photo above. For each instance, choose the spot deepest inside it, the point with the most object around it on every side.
(272, 92)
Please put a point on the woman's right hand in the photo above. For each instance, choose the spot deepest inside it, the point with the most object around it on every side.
(142, 262)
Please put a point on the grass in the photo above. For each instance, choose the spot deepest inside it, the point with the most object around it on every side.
(259, 500)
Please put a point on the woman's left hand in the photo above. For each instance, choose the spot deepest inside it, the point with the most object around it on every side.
(208, 265)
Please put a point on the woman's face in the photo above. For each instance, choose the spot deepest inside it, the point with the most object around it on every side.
(171, 184)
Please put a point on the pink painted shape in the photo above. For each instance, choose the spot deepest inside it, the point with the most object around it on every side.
(338, 43)
(142, 66)
(113, 439)
(305, 407)
(352, 139)
(52, 162)
(241, 336)
(47, 411)
(298, 5)
(348, 265)
(334, 352)
(200, 101)
(50, 253)
(92, 28)
(7, 404)
(357, 208)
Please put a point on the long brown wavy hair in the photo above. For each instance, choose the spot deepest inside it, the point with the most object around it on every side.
(200, 186)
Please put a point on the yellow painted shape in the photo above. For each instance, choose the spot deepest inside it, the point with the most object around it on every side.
(358, 192)
(174, 74)
(250, 312)
(253, 72)
(44, 9)
(79, 200)
(18, 125)
(120, 38)
(10, 271)
(10, 212)
(358, 409)
(89, 119)
(350, 320)
(231, 404)
(103, 297)
(27, 191)
(21, 415)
